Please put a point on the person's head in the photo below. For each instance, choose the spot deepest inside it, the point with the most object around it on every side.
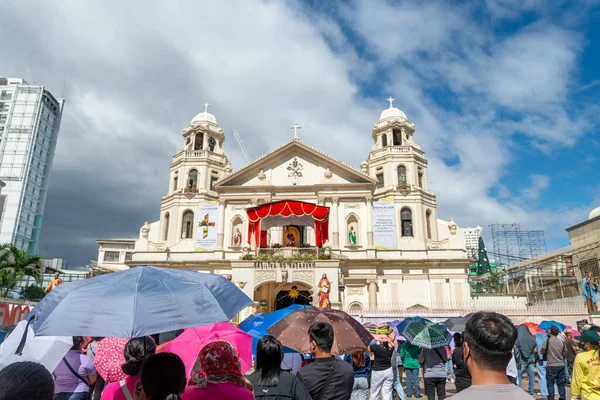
(97, 338)
(135, 353)
(489, 339)
(163, 377)
(56, 275)
(554, 330)
(458, 339)
(269, 354)
(78, 342)
(590, 340)
(358, 358)
(588, 274)
(320, 335)
(324, 276)
(217, 362)
(26, 380)
(595, 328)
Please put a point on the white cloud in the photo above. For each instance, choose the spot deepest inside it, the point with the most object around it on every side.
(539, 183)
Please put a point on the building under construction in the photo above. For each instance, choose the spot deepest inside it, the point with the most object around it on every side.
(513, 245)
(546, 276)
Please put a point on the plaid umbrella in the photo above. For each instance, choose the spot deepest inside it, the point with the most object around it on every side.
(426, 334)
(349, 334)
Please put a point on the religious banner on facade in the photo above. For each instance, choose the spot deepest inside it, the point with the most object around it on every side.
(206, 227)
(384, 225)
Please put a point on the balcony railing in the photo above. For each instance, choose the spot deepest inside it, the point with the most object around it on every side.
(200, 154)
(190, 190)
(391, 150)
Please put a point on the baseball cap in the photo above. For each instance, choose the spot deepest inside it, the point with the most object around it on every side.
(589, 337)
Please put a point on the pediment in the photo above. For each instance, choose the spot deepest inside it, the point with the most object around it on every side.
(295, 164)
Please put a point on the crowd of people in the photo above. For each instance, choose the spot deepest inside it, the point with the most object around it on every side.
(485, 361)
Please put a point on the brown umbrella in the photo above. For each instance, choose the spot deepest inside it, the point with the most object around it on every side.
(349, 334)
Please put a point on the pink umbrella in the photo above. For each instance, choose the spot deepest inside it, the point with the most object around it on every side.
(192, 340)
(109, 358)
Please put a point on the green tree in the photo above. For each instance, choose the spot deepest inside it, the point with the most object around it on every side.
(16, 264)
(493, 283)
(33, 292)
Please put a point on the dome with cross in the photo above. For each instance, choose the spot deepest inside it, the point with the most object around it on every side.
(204, 116)
(392, 111)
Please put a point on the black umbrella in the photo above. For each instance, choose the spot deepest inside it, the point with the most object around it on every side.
(456, 324)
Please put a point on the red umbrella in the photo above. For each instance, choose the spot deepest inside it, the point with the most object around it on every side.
(109, 358)
(349, 334)
(533, 327)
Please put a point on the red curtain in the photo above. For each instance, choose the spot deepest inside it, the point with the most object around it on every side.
(287, 208)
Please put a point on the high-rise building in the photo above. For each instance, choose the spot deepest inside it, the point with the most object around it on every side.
(472, 240)
(29, 123)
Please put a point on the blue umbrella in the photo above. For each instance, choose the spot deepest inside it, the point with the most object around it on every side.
(257, 326)
(137, 302)
(546, 325)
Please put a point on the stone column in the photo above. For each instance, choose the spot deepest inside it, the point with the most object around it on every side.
(369, 201)
(221, 227)
(335, 222)
(372, 287)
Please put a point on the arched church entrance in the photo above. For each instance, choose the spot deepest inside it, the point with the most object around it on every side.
(273, 296)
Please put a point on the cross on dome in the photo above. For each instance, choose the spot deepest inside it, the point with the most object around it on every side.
(206, 104)
(391, 100)
(295, 127)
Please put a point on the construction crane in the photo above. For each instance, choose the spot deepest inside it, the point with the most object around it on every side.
(242, 145)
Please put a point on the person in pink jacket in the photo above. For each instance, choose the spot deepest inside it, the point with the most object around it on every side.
(217, 374)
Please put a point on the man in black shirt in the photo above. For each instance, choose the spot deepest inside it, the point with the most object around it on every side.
(326, 378)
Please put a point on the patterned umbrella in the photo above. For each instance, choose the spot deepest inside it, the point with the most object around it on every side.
(349, 334)
(426, 334)
(109, 358)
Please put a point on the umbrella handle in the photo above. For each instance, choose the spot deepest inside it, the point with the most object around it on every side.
(21, 346)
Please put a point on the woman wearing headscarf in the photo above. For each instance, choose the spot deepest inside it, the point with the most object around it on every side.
(525, 349)
(217, 374)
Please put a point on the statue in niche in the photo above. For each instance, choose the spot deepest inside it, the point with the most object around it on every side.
(324, 290)
(291, 241)
(237, 238)
(352, 236)
(452, 227)
(211, 143)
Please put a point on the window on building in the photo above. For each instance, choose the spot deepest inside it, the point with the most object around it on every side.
(383, 140)
(175, 179)
(111, 256)
(402, 175)
(397, 137)
(428, 222)
(213, 179)
(187, 226)
(192, 179)
(199, 141)
(379, 177)
(166, 226)
(128, 256)
(420, 178)
(406, 221)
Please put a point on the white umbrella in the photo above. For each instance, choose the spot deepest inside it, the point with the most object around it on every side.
(46, 350)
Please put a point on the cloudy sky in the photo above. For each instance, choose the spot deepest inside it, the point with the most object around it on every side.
(504, 93)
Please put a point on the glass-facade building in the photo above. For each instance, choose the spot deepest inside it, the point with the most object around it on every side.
(29, 123)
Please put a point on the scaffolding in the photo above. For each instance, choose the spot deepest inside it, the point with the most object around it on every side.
(513, 245)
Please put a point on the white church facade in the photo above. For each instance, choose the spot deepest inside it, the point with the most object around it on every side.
(278, 224)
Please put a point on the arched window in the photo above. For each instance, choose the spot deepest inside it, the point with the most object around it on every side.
(428, 222)
(397, 137)
(192, 179)
(166, 230)
(406, 221)
(199, 141)
(401, 175)
(420, 178)
(187, 225)
(355, 309)
(383, 140)
(175, 183)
